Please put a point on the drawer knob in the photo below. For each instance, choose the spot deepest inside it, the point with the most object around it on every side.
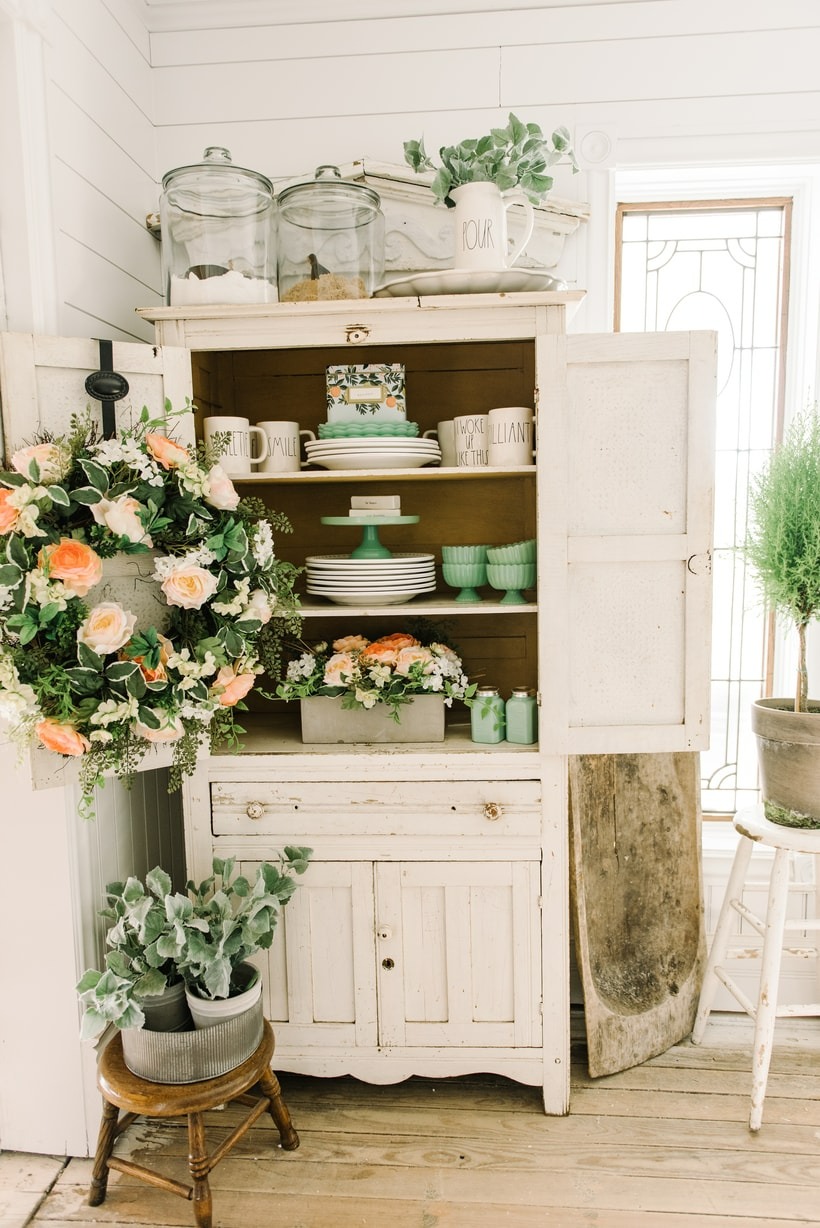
(254, 810)
(492, 811)
(357, 333)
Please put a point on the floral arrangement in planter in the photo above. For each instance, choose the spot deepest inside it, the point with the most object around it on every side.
(391, 670)
(79, 676)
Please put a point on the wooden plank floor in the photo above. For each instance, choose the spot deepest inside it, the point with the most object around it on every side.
(665, 1143)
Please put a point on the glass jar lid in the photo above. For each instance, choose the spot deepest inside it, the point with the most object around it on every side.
(486, 691)
(216, 188)
(522, 692)
(328, 202)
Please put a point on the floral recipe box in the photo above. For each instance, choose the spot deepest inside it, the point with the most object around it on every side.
(373, 392)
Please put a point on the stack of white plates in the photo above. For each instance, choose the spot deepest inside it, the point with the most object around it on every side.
(373, 453)
(349, 581)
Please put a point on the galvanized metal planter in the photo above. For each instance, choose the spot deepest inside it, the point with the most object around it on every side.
(188, 1057)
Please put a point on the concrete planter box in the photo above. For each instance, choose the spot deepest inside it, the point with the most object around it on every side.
(324, 720)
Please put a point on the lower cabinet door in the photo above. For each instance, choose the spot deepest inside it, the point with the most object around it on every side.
(459, 954)
(407, 955)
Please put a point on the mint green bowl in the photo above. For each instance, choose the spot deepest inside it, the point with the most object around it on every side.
(512, 578)
(467, 577)
(464, 554)
(515, 552)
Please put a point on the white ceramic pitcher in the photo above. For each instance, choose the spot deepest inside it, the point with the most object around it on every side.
(481, 226)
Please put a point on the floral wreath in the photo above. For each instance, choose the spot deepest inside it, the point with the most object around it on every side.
(79, 675)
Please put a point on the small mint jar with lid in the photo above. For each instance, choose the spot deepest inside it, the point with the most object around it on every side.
(487, 720)
(522, 716)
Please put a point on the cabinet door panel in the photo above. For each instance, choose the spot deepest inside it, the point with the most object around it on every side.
(458, 953)
(319, 975)
(629, 621)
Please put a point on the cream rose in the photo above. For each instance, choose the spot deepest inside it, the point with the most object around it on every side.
(53, 462)
(408, 657)
(76, 564)
(121, 516)
(229, 687)
(189, 586)
(219, 491)
(166, 452)
(107, 629)
(62, 738)
(171, 728)
(339, 669)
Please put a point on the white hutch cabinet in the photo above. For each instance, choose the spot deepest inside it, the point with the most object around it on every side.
(430, 934)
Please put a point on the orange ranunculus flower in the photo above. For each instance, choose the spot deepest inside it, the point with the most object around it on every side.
(234, 686)
(8, 514)
(77, 565)
(166, 452)
(398, 640)
(379, 654)
(159, 673)
(64, 739)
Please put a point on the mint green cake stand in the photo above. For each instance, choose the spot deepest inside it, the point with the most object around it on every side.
(370, 546)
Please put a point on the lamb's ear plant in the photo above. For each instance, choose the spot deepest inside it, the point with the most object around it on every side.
(518, 155)
(145, 942)
(783, 544)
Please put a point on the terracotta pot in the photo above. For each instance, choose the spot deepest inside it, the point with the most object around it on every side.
(788, 751)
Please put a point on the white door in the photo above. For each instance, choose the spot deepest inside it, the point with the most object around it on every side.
(625, 512)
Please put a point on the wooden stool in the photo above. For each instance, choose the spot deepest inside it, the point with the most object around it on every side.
(140, 1098)
(754, 828)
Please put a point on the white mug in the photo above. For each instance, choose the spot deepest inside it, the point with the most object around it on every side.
(470, 432)
(510, 435)
(284, 446)
(445, 434)
(237, 458)
(481, 226)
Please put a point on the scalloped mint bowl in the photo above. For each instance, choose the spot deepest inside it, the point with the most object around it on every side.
(515, 552)
(512, 578)
(467, 577)
(367, 430)
(464, 554)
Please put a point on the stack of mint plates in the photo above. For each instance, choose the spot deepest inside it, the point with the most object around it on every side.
(370, 430)
(348, 581)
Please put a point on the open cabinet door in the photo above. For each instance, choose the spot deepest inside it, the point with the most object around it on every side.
(628, 535)
(42, 383)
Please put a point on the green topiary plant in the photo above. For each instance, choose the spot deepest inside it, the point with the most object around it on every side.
(517, 156)
(783, 544)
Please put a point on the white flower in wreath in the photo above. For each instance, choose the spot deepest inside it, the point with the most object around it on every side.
(107, 629)
(42, 591)
(262, 544)
(260, 606)
(18, 701)
(190, 669)
(121, 517)
(237, 603)
(112, 711)
(24, 499)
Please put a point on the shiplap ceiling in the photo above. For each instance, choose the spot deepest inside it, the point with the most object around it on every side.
(210, 14)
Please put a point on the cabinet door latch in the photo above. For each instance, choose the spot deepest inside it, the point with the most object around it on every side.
(700, 564)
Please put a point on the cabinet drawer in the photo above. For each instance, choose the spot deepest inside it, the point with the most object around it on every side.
(435, 809)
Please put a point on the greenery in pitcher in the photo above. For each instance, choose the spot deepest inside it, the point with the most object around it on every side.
(517, 156)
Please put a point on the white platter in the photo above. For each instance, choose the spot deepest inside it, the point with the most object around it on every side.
(373, 599)
(420, 586)
(469, 281)
(323, 560)
(358, 444)
(387, 573)
(375, 460)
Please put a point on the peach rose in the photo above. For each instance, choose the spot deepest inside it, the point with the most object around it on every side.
(219, 491)
(53, 462)
(166, 452)
(233, 686)
(107, 628)
(171, 728)
(64, 739)
(350, 643)
(71, 561)
(121, 516)
(8, 514)
(408, 657)
(339, 668)
(159, 672)
(378, 653)
(189, 586)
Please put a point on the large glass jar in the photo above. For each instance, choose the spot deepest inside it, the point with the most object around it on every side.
(218, 241)
(330, 240)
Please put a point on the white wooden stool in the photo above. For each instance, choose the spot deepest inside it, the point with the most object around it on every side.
(754, 828)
